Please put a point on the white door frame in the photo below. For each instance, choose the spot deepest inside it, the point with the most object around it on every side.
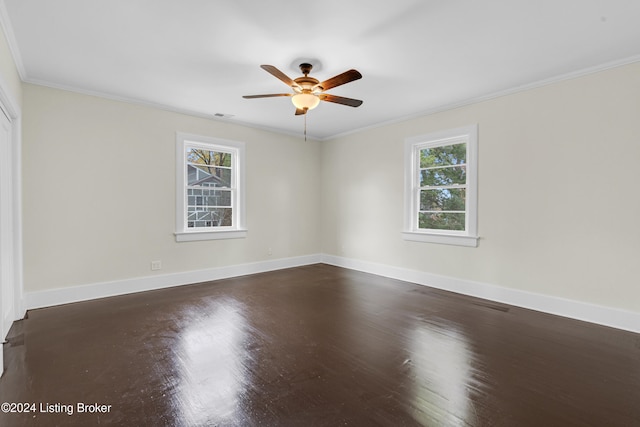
(11, 221)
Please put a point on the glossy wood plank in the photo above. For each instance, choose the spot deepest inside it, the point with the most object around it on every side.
(317, 345)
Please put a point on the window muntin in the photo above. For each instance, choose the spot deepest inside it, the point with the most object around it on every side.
(210, 188)
(440, 187)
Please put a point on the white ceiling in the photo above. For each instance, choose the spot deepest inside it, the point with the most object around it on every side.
(416, 56)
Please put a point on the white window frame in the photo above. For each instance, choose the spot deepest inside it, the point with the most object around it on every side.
(237, 149)
(412, 147)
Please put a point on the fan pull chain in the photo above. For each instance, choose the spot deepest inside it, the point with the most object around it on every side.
(305, 128)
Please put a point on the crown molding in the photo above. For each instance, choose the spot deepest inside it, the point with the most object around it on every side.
(7, 29)
(160, 106)
(15, 52)
(522, 88)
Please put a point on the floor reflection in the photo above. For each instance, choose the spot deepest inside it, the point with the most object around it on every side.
(317, 345)
(442, 375)
(210, 362)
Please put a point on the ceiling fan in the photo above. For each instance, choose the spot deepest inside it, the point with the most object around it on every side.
(308, 91)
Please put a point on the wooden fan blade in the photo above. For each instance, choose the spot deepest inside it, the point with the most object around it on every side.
(270, 95)
(340, 100)
(279, 75)
(340, 79)
(301, 111)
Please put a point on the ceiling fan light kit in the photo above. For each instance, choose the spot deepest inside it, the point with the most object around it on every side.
(309, 91)
(305, 101)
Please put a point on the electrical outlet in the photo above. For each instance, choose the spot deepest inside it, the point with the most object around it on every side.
(269, 251)
(156, 265)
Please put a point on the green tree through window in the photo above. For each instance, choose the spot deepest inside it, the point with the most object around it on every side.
(443, 187)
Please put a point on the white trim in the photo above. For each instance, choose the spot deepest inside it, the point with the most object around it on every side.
(412, 147)
(6, 100)
(443, 239)
(493, 95)
(435, 110)
(72, 294)
(163, 107)
(194, 236)
(238, 182)
(427, 112)
(12, 109)
(606, 316)
(9, 35)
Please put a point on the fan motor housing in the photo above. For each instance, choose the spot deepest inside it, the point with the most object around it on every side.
(306, 82)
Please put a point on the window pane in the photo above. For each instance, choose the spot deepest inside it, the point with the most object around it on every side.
(207, 157)
(455, 154)
(441, 221)
(198, 217)
(207, 172)
(443, 199)
(209, 198)
(217, 198)
(209, 176)
(443, 176)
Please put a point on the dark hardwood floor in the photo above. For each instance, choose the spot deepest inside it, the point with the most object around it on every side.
(315, 346)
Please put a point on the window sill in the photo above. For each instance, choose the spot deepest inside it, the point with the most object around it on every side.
(193, 236)
(445, 239)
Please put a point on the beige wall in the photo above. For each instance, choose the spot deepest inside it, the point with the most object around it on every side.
(558, 198)
(99, 192)
(8, 72)
(559, 203)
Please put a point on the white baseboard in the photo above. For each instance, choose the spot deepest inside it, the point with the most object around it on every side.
(606, 316)
(40, 299)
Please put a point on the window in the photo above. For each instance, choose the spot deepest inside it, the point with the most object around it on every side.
(209, 188)
(441, 188)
